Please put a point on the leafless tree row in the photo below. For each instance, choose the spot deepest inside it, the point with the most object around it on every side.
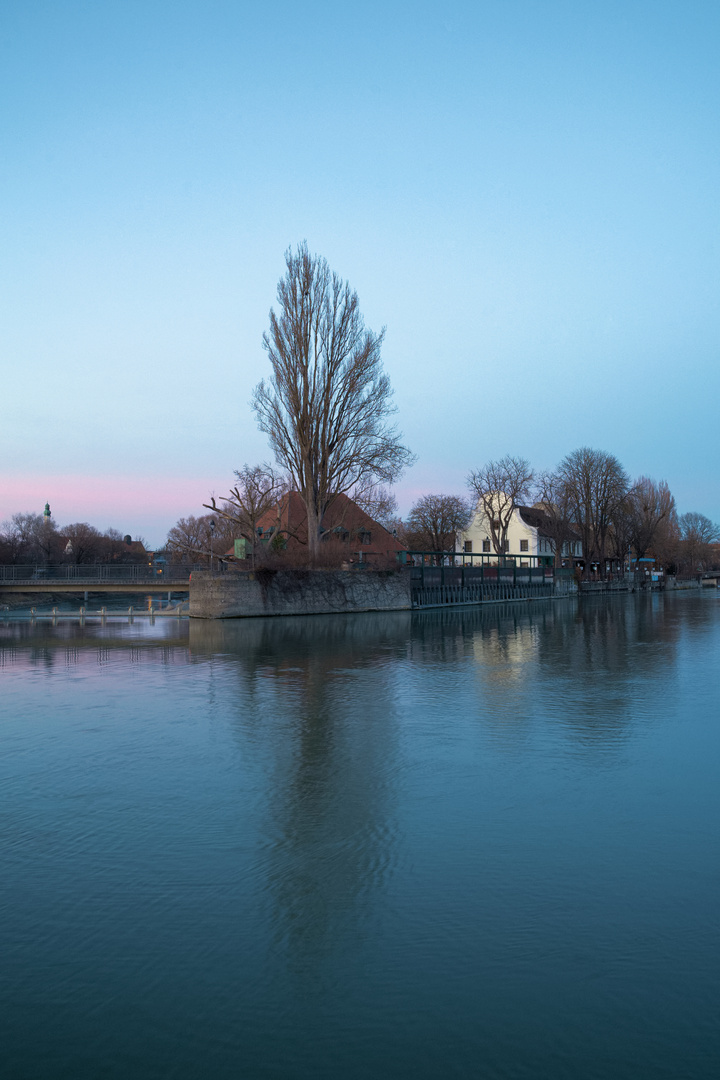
(35, 538)
(590, 494)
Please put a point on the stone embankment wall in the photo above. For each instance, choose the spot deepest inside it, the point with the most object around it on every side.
(236, 595)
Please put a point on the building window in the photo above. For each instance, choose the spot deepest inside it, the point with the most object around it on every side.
(468, 545)
(524, 545)
(486, 545)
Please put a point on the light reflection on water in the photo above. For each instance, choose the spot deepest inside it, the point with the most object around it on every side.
(479, 842)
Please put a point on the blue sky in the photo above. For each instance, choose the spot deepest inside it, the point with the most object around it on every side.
(524, 193)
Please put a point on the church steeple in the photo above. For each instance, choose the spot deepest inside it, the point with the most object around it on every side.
(46, 512)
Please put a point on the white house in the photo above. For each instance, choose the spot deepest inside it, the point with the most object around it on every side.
(528, 535)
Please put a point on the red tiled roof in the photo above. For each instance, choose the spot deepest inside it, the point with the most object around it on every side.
(343, 515)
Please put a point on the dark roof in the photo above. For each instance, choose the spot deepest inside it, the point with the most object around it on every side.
(538, 519)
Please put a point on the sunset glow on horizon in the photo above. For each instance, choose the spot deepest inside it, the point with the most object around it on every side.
(141, 506)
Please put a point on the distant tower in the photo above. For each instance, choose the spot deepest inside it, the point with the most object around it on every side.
(46, 512)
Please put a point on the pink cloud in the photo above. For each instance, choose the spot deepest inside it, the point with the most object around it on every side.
(146, 504)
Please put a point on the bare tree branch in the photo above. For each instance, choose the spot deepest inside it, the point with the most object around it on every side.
(554, 499)
(259, 489)
(596, 486)
(434, 522)
(697, 534)
(191, 539)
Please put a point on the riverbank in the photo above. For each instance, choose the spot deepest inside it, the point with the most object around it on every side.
(247, 594)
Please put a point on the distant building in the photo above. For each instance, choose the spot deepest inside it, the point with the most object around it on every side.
(128, 550)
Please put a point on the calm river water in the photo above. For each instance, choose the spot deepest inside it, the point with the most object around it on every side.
(480, 843)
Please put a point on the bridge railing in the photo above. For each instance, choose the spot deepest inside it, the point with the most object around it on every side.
(130, 572)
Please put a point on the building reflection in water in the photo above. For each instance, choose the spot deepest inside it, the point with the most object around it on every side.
(578, 665)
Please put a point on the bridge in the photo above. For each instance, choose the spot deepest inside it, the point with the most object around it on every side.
(103, 578)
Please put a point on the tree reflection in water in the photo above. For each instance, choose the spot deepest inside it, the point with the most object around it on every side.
(329, 800)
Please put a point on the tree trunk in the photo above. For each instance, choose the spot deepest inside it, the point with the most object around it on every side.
(313, 531)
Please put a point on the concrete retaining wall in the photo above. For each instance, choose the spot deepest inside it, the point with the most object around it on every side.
(236, 595)
(682, 583)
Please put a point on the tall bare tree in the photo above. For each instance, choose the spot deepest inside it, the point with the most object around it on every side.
(259, 489)
(597, 485)
(326, 406)
(647, 505)
(697, 533)
(435, 520)
(498, 487)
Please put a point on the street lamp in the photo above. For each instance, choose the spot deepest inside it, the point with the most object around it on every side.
(212, 533)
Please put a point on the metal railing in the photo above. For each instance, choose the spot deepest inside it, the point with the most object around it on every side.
(506, 571)
(478, 559)
(18, 573)
(450, 595)
(439, 578)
